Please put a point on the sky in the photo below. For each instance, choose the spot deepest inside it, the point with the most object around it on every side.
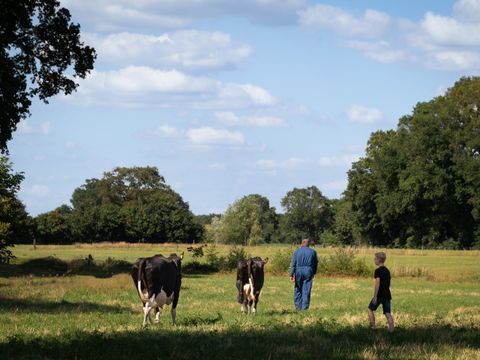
(230, 98)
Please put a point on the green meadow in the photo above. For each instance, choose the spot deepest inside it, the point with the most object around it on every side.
(60, 316)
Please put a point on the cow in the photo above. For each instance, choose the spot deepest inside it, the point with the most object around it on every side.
(250, 278)
(158, 280)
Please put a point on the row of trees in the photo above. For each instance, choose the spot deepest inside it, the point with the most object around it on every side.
(419, 185)
(126, 204)
(416, 186)
(251, 221)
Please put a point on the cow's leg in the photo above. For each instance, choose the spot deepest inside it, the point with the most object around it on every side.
(254, 309)
(174, 315)
(244, 307)
(157, 315)
(146, 313)
(240, 296)
(149, 305)
(250, 307)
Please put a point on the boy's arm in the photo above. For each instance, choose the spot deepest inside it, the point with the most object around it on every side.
(375, 291)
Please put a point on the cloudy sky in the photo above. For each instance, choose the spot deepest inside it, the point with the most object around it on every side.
(229, 98)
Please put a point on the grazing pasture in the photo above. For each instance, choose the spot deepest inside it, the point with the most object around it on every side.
(89, 316)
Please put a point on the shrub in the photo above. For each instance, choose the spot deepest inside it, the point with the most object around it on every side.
(328, 238)
(212, 257)
(235, 254)
(281, 260)
(196, 267)
(343, 262)
(114, 265)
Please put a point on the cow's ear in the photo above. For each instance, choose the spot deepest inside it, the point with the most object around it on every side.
(181, 256)
(265, 261)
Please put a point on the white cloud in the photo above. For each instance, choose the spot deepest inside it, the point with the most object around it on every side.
(467, 10)
(231, 119)
(336, 185)
(186, 49)
(212, 136)
(168, 130)
(112, 15)
(146, 86)
(380, 51)
(343, 160)
(364, 115)
(449, 43)
(372, 23)
(37, 190)
(25, 127)
(256, 94)
(288, 164)
(443, 30)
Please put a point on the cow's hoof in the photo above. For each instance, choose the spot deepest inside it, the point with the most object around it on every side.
(157, 321)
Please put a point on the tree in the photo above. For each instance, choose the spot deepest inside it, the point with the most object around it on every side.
(419, 185)
(40, 55)
(132, 204)
(307, 213)
(55, 226)
(248, 221)
(344, 228)
(15, 224)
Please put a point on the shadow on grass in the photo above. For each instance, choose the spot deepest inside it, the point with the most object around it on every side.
(198, 321)
(13, 305)
(323, 340)
(52, 266)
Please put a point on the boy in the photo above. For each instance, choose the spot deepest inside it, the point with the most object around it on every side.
(381, 293)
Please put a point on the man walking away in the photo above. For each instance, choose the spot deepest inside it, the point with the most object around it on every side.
(302, 271)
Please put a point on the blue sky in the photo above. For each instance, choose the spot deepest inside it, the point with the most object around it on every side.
(230, 98)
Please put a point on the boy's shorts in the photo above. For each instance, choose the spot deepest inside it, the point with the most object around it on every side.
(386, 305)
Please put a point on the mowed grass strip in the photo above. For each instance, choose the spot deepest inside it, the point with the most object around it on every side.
(83, 317)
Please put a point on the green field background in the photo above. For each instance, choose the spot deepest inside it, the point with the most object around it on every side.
(88, 317)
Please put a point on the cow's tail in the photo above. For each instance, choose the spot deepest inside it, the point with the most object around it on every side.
(141, 276)
(250, 276)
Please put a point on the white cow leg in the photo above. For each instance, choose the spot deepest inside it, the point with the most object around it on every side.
(146, 314)
(244, 309)
(174, 316)
(254, 309)
(157, 316)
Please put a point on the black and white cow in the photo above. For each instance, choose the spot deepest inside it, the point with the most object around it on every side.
(250, 278)
(158, 280)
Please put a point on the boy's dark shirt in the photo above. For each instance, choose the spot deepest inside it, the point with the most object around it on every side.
(384, 275)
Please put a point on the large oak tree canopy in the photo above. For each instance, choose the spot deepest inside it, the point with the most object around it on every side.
(41, 54)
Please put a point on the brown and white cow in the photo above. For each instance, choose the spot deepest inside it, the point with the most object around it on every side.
(250, 279)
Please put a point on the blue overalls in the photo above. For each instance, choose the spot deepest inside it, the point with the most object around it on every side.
(304, 267)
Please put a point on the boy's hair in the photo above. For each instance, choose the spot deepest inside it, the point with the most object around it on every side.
(381, 256)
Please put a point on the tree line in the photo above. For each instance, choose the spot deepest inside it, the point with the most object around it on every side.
(416, 186)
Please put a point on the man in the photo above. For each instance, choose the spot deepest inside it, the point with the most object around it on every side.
(302, 271)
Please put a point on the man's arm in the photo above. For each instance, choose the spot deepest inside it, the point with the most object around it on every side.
(293, 266)
(375, 291)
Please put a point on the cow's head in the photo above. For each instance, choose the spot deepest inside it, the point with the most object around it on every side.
(256, 272)
(177, 260)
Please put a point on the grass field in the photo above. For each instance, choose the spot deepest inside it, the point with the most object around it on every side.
(89, 317)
